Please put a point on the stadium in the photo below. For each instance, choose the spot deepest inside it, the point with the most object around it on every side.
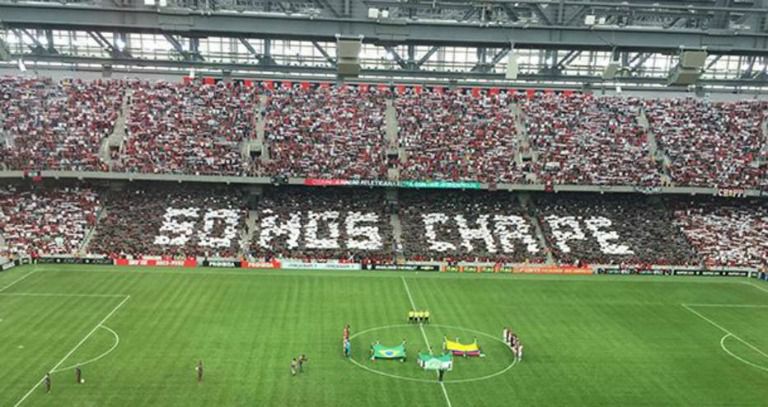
(383, 203)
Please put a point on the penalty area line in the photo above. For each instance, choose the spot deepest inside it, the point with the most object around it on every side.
(79, 344)
(426, 340)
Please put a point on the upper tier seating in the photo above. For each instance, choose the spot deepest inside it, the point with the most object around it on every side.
(581, 139)
(56, 126)
(326, 132)
(188, 129)
(454, 135)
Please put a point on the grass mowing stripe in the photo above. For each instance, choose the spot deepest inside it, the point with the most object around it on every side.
(426, 341)
(715, 324)
(79, 344)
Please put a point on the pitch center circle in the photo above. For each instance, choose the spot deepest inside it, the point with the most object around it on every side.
(415, 379)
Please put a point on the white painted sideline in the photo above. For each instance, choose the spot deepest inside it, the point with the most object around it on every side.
(424, 335)
(79, 344)
(63, 295)
(18, 280)
(730, 305)
(715, 324)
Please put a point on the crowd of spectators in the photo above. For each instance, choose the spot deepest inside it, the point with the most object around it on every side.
(458, 136)
(45, 221)
(725, 233)
(171, 221)
(467, 226)
(710, 144)
(56, 125)
(323, 131)
(326, 132)
(611, 229)
(190, 128)
(582, 139)
(338, 224)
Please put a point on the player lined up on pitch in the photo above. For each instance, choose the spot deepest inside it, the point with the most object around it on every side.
(514, 343)
(48, 381)
(418, 317)
(346, 344)
(297, 364)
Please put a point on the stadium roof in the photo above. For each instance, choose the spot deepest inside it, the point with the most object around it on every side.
(562, 42)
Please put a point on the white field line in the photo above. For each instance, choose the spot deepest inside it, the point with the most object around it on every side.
(716, 325)
(97, 358)
(756, 286)
(457, 276)
(426, 341)
(722, 346)
(63, 295)
(79, 344)
(18, 280)
(730, 305)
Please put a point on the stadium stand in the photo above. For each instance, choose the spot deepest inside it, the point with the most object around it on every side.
(46, 221)
(583, 139)
(188, 128)
(710, 144)
(611, 229)
(167, 220)
(327, 224)
(455, 135)
(57, 126)
(464, 226)
(326, 132)
(728, 233)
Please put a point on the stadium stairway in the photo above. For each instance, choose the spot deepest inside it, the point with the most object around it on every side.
(655, 151)
(393, 143)
(83, 250)
(397, 234)
(115, 140)
(258, 143)
(524, 151)
(247, 234)
(390, 116)
(525, 202)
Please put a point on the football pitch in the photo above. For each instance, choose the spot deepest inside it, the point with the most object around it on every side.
(589, 340)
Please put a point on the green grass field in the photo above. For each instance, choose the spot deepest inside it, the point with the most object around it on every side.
(589, 341)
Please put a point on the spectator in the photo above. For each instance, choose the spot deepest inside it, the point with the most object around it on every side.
(163, 220)
(326, 132)
(57, 126)
(581, 139)
(710, 144)
(725, 233)
(46, 221)
(456, 136)
(467, 226)
(611, 229)
(328, 224)
(192, 128)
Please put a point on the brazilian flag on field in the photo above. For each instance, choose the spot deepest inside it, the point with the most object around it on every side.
(379, 351)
